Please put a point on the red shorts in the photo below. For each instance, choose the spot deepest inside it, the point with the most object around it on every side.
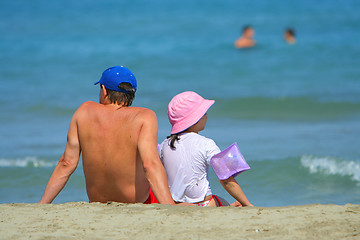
(151, 199)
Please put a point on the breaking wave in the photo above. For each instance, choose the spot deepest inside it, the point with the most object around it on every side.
(26, 162)
(332, 166)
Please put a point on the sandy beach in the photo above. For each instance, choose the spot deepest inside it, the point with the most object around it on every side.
(82, 220)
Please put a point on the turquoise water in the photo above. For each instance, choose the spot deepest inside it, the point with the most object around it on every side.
(294, 110)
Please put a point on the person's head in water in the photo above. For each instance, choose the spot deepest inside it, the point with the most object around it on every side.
(246, 39)
(289, 36)
(120, 85)
(248, 31)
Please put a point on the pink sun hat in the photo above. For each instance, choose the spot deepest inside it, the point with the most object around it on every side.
(186, 109)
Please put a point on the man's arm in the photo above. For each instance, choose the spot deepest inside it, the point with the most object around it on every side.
(233, 188)
(66, 165)
(154, 170)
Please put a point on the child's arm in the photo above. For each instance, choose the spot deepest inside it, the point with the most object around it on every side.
(233, 188)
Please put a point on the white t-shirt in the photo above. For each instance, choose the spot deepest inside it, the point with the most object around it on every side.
(187, 166)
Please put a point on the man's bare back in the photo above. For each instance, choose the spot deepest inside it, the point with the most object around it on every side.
(99, 127)
(119, 149)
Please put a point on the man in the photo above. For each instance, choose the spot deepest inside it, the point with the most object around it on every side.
(118, 145)
(246, 40)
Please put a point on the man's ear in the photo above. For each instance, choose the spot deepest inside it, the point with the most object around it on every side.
(104, 91)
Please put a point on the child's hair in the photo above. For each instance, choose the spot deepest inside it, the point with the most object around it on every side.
(173, 138)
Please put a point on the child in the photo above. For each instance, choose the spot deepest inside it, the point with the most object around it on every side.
(186, 154)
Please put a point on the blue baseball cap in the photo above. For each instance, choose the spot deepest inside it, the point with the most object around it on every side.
(113, 76)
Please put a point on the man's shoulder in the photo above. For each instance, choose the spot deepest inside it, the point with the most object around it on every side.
(142, 116)
(86, 107)
(145, 115)
(88, 104)
(141, 109)
(142, 112)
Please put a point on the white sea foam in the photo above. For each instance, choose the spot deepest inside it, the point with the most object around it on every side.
(26, 162)
(332, 166)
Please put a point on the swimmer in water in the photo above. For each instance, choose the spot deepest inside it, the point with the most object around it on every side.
(246, 40)
(289, 36)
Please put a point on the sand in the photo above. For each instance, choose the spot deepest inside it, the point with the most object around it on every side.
(82, 220)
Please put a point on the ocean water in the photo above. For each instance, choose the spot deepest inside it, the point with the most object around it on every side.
(294, 110)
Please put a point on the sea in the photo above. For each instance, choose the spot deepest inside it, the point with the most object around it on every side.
(293, 110)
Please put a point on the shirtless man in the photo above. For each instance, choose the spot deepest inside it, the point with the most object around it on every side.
(246, 40)
(118, 145)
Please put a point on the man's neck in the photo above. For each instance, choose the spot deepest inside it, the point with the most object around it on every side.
(107, 102)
